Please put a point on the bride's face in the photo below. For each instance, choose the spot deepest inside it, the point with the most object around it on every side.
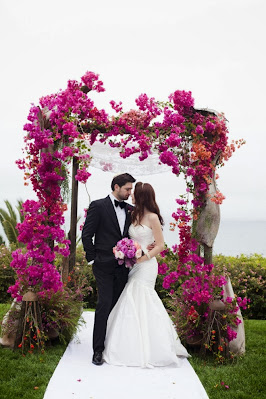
(133, 199)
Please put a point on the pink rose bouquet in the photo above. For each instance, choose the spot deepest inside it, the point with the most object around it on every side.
(127, 251)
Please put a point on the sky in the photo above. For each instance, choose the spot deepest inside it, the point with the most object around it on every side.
(215, 49)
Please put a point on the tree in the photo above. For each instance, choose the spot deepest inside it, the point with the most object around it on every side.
(9, 221)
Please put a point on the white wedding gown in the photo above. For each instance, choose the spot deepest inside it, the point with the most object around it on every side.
(139, 329)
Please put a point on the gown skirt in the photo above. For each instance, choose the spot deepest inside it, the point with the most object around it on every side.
(139, 330)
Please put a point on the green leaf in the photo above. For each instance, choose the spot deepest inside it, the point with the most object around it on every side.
(11, 211)
(10, 231)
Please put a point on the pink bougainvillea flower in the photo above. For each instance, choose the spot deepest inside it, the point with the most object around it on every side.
(186, 140)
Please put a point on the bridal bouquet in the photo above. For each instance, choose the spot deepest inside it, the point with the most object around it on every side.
(128, 251)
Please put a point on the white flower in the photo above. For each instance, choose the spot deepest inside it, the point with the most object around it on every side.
(119, 255)
(138, 253)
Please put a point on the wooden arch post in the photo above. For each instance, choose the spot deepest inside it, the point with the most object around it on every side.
(74, 216)
(205, 229)
(68, 262)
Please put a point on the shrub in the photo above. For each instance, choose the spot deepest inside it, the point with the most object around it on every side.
(7, 274)
(247, 274)
(191, 296)
(84, 269)
(60, 312)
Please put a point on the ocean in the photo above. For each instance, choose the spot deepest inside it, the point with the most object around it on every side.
(233, 238)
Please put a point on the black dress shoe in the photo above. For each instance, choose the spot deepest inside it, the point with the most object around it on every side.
(97, 358)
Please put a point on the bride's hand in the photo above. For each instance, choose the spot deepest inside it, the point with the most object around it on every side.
(141, 259)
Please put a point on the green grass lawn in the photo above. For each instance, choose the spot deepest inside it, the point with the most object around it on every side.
(20, 376)
(26, 377)
(246, 376)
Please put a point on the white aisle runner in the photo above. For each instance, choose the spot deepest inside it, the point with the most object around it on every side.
(76, 377)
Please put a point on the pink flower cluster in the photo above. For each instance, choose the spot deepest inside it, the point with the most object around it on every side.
(91, 80)
(82, 175)
(231, 334)
(242, 302)
(168, 158)
(117, 107)
(148, 104)
(53, 137)
(127, 251)
(200, 288)
(183, 101)
(162, 268)
(137, 119)
(170, 279)
(194, 285)
(35, 268)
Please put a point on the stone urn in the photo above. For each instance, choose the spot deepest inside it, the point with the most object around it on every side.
(217, 304)
(8, 339)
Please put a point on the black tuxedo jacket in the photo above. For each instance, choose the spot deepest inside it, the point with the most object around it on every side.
(102, 224)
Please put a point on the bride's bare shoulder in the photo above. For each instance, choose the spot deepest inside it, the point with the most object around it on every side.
(152, 217)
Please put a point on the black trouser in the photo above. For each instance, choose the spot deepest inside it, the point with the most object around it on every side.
(110, 283)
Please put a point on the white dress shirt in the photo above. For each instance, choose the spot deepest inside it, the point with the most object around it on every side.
(120, 213)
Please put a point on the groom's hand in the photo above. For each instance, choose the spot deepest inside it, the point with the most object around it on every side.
(151, 246)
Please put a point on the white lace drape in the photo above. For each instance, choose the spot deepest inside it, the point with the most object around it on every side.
(108, 159)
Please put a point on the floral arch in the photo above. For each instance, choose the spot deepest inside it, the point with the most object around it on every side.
(64, 128)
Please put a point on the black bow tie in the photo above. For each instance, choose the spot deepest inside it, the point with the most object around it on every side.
(122, 204)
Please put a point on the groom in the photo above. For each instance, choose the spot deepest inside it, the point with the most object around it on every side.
(107, 220)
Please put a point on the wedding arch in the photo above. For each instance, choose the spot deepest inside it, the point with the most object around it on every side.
(65, 127)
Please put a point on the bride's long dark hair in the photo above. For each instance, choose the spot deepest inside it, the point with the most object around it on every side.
(144, 198)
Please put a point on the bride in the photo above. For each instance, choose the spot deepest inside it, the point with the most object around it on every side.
(139, 330)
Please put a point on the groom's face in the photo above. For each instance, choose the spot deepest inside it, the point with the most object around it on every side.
(122, 193)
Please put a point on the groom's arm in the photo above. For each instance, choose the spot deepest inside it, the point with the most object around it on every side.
(89, 230)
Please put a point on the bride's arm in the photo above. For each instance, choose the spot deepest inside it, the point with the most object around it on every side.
(158, 239)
